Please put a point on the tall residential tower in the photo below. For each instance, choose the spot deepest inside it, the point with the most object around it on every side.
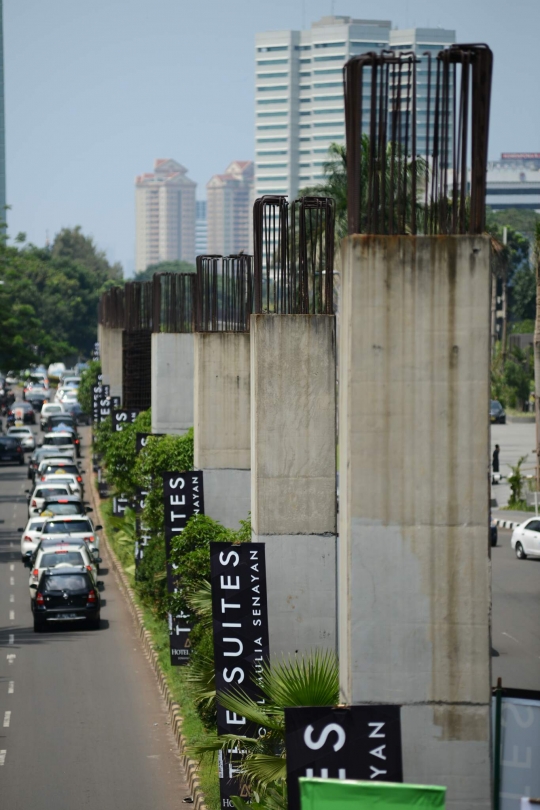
(299, 93)
(165, 215)
(230, 202)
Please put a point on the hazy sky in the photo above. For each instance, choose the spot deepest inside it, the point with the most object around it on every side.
(97, 89)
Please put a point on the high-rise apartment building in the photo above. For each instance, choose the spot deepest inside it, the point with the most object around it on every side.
(165, 215)
(230, 201)
(201, 229)
(299, 93)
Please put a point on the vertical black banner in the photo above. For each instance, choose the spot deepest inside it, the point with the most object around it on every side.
(115, 402)
(183, 497)
(96, 396)
(104, 403)
(95, 352)
(123, 416)
(142, 438)
(342, 742)
(240, 622)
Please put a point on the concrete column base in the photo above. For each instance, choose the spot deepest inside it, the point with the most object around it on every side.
(227, 496)
(301, 577)
(111, 359)
(172, 382)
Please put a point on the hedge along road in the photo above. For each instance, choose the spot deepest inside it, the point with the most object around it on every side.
(81, 719)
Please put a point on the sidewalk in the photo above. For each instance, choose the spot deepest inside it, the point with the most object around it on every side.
(507, 519)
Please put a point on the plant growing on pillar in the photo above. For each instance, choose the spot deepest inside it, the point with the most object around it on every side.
(310, 680)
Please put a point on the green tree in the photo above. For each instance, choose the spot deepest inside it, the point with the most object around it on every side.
(89, 378)
(72, 244)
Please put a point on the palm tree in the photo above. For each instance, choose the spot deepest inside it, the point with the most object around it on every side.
(310, 680)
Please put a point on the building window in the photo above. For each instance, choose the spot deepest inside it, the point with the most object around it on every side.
(338, 137)
(337, 97)
(271, 88)
(271, 114)
(272, 75)
(305, 112)
(271, 126)
(336, 58)
(305, 61)
(272, 165)
(329, 45)
(272, 62)
(271, 140)
(269, 48)
(327, 71)
(326, 111)
(271, 101)
(324, 85)
(271, 151)
(305, 73)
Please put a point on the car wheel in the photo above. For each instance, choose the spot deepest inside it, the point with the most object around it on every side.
(520, 552)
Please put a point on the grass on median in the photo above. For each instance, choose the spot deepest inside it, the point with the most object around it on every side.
(181, 690)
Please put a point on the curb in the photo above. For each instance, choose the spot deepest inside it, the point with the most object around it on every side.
(506, 524)
(190, 766)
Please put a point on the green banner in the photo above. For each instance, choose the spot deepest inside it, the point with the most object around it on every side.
(336, 794)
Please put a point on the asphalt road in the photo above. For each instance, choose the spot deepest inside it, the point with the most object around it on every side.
(516, 617)
(82, 723)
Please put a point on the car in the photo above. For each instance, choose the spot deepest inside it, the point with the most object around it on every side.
(49, 466)
(64, 478)
(11, 378)
(26, 437)
(493, 532)
(43, 491)
(67, 426)
(37, 396)
(60, 439)
(75, 409)
(66, 595)
(71, 382)
(78, 528)
(30, 536)
(64, 505)
(526, 539)
(50, 555)
(11, 450)
(56, 370)
(497, 413)
(57, 419)
(48, 409)
(21, 413)
(42, 453)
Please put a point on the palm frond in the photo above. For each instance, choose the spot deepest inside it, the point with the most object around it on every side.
(200, 602)
(304, 681)
(237, 701)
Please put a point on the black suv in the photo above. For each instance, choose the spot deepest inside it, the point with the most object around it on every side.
(66, 595)
(11, 449)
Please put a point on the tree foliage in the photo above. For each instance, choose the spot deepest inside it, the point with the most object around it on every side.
(89, 378)
(48, 299)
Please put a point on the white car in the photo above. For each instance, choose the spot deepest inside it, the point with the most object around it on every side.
(12, 378)
(43, 491)
(526, 539)
(64, 478)
(49, 555)
(26, 437)
(56, 370)
(62, 440)
(48, 409)
(78, 527)
(31, 536)
(71, 382)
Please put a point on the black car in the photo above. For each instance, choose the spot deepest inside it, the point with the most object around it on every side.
(64, 505)
(21, 412)
(11, 449)
(66, 595)
(497, 412)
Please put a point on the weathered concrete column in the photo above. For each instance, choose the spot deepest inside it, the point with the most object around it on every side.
(110, 347)
(293, 475)
(414, 568)
(172, 382)
(222, 423)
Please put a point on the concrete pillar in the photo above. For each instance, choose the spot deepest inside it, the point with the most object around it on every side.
(110, 346)
(222, 423)
(293, 475)
(414, 568)
(172, 382)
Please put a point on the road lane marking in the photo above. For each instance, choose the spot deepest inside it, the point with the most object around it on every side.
(12, 580)
(12, 566)
(11, 687)
(7, 719)
(12, 615)
(512, 637)
(11, 543)
(11, 657)
(11, 638)
(12, 597)
(3, 756)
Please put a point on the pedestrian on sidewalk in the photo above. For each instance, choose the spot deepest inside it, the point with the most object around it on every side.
(495, 463)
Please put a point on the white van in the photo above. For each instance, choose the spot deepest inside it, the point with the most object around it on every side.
(47, 410)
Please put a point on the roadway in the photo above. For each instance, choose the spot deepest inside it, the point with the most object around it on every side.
(82, 723)
(516, 617)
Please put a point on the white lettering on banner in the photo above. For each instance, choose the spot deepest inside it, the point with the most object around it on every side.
(342, 773)
(315, 745)
(234, 720)
(229, 585)
(375, 772)
(229, 678)
(233, 554)
(234, 641)
(375, 732)
(378, 752)
(225, 606)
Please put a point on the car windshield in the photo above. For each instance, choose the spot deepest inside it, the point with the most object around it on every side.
(67, 527)
(47, 492)
(56, 508)
(66, 582)
(58, 440)
(54, 558)
(35, 525)
(52, 468)
(52, 409)
(8, 441)
(19, 432)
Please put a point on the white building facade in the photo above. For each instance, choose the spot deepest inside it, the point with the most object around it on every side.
(299, 108)
(165, 215)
